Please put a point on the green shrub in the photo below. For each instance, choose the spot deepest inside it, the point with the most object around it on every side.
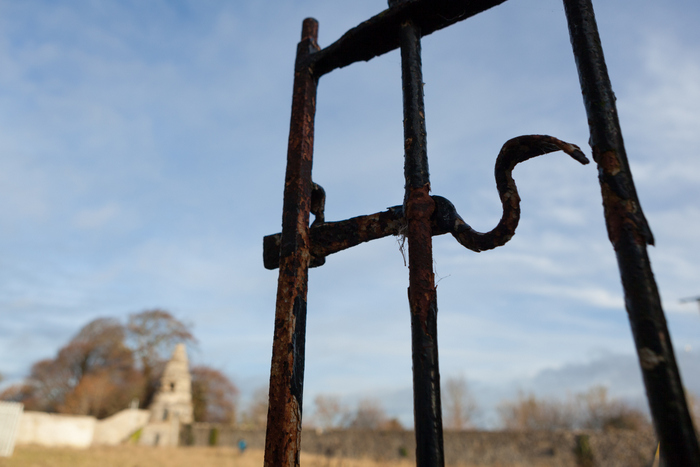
(135, 436)
(213, 436)
(187, 435)
(583, 452)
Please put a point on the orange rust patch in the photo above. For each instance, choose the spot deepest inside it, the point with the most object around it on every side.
(419, 208)
(620, 217)
(608, 161)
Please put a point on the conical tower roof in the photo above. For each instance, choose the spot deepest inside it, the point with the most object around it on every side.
(174, 397)
(178, 368)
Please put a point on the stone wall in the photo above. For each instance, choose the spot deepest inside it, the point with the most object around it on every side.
(160, 434)
(78, 431)
(10, 415)
(209, 434)
(54, 430)
(485, 448)
(120, 426)
(160, 424)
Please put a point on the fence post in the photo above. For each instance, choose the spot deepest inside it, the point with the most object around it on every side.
(283, 437)
(629, 234)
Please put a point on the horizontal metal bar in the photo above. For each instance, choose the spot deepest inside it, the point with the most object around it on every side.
(380, 34)
(333, 237)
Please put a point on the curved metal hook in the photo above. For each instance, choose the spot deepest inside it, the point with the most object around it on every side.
(512, 153)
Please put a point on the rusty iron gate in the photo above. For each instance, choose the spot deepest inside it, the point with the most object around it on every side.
(300, 245)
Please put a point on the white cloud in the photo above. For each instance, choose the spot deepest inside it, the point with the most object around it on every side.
(673, 106)
(589, 295)
(661, 109)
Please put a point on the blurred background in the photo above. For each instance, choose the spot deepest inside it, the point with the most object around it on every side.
(142, 158)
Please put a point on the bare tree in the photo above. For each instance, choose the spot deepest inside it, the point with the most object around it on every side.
(15, 393)
(530, 413)
(46, 387)
(98, 346)
(255, 415)
(329, 411)
(100, 394)
(369, 416)
(590, 410)
(214, 396)
(600, 412)
(458, 404)
(93, 374)
(96, 373)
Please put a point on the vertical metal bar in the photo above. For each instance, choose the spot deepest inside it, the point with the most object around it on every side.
(283, 437)
(422, 297)
(629, 234)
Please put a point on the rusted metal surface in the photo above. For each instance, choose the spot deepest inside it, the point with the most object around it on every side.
(421, 216)
(513, 152)
(380, 34)
(283, 438)
(332, 237)
(327, 238)
(629, 234)
(419, 208)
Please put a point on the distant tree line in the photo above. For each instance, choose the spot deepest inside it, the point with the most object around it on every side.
(593, 410)
(330, 413)
(108, 364)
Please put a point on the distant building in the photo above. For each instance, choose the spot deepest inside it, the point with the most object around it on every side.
(159, 425)
(172, 404)
(174, 398)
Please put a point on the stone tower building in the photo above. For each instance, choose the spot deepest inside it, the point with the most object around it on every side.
(172, 404)
(174, 398)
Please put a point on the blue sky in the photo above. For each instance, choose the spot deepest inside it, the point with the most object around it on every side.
(142, 156)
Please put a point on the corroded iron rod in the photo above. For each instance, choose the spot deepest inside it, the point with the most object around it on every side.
(299, 247)
(419, 208)
(629, 234)
(380, 34)
(327, 238)
(283, 437)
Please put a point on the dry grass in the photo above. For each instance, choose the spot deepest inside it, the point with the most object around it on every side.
(142, 456)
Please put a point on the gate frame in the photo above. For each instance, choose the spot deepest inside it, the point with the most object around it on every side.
(301, 246)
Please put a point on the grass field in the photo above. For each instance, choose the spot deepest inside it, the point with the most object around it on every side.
(142, 456)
